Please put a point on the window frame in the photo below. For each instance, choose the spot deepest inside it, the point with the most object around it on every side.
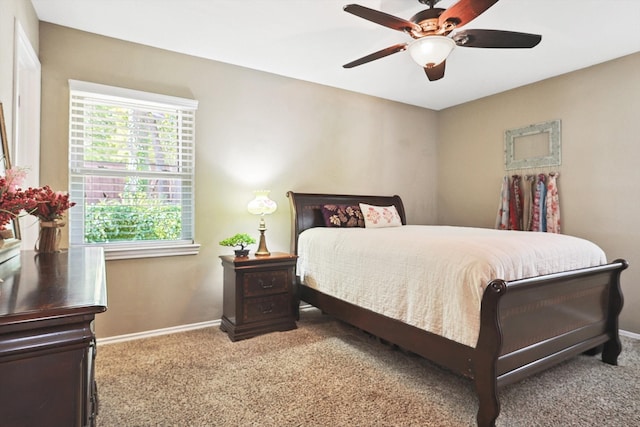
(130, 249)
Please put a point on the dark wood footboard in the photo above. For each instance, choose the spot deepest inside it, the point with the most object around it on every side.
(526, 326)
(532, 324)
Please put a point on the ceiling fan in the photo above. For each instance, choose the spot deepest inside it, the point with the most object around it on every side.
(432, 28)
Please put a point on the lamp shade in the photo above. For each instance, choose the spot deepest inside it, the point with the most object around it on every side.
(262, 204)
(430, 51)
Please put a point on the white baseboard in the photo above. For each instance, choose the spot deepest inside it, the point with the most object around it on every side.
(157, 332)
(629, 334)
(171, 330)
(210, 323)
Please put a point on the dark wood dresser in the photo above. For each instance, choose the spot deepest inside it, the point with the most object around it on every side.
(47, 345)
(259, 295)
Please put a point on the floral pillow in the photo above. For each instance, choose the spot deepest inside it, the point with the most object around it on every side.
(342, 216)
(380, 216)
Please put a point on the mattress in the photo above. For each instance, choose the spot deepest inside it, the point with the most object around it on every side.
(432, 277)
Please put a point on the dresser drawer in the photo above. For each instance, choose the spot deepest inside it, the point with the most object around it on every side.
(256, 309)
(266, 282)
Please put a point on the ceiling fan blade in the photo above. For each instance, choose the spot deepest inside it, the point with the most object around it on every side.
(465, 11)
(381, 18)
(436, 72)
(377, 55)
(495, 39)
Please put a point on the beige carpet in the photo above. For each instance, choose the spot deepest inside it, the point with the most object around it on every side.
(326, 373)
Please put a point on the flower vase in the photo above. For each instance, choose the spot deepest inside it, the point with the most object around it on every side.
(49, 238)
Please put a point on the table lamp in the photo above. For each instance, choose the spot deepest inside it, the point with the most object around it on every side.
(262, 205)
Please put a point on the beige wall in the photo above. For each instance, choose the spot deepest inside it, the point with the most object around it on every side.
(254, 130)
(600, 176)
(12, 11)
(288, 134)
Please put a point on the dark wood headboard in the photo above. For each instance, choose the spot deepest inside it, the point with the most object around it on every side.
(306, 209)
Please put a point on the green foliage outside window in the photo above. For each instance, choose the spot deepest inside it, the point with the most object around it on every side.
(133, 218)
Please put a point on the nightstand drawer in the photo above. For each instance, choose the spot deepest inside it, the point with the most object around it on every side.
(256, 309)
(266, 282)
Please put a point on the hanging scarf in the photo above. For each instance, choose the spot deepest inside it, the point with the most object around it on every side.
(530, 191)
(553, 204)
(502, 220)
(537, 196)
(515, 204)
(542, 189)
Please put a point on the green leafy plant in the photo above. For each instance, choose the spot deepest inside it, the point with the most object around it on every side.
(240, 240)
(125, 220)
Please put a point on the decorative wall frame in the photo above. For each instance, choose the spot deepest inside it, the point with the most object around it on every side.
(533, 146)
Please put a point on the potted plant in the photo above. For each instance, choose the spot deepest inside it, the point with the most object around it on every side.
(240, 240)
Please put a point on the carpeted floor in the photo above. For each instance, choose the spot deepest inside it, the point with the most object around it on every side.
(327, 373)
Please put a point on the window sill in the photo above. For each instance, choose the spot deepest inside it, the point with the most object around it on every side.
(149, 251)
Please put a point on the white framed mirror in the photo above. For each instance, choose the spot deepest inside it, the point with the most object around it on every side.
(5, 164)
(533, 146)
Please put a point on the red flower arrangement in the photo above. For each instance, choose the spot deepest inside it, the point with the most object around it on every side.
(41, 202)
(12, 199)
(49, 205)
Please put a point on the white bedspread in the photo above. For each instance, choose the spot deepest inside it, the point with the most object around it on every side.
(432, 277)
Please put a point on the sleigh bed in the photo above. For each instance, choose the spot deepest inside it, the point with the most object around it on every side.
(524, 325)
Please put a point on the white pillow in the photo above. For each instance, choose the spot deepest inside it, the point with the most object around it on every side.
(380, 216)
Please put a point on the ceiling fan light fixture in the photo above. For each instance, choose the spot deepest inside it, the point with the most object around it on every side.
(430, 51)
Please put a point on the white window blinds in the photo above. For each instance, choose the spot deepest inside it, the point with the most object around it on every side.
(131, 166)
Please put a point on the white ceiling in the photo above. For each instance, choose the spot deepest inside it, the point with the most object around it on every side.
(311, 39)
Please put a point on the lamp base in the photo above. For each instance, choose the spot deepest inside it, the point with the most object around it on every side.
(262, 247)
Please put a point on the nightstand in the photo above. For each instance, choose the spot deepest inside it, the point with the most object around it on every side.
(259, 295)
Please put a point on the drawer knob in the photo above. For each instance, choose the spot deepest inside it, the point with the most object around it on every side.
(266, 309)
(267, 285)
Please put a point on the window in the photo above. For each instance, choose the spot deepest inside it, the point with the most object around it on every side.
(131, 171)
